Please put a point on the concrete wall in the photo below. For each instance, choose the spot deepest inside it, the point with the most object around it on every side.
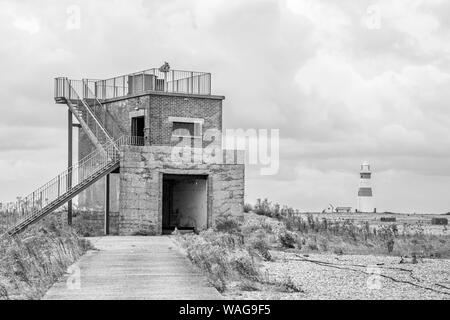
(141, 178)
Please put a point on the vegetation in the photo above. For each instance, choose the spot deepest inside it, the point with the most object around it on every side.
(347, 236)
(231, 252)
(248, 207)
(32, 261)
(235, 251)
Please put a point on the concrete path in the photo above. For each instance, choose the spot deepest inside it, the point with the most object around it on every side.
(133, 268)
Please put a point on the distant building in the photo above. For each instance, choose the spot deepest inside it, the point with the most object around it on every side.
(365, 196)
(332, 209)
(343, 209)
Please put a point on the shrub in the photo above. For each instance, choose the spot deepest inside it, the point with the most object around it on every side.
(248, 207)
(439, 221)
(287, 239)
(227, 223)
(221, 255)
(263, 207)
(248, 285)
(31, 261)
(390, 245)
(388, 219)
(312, 244)
(289, 286)
(243, 264)
(262, 247)
(323, 244)
(210, 258)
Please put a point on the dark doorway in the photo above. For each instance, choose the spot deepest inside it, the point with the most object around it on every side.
(184, 202)
(137, 130)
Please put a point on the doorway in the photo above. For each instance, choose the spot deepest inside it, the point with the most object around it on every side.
(184, 202)
(138, 130)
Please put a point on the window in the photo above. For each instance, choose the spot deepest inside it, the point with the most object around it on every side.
(183, 129)
(137, 130)
(186, 127)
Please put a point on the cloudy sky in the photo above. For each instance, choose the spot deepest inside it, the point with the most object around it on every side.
(344, 81)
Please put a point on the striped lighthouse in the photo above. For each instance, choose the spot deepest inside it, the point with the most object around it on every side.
(365, 197)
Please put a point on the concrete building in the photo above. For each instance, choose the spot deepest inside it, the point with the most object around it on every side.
(173, 172)
(365, 196)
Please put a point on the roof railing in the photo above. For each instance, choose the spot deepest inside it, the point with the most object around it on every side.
(171, 81)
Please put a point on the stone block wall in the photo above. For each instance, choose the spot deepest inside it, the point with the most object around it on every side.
(141, 178)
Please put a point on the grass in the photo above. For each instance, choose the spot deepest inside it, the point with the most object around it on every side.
(232, 253)
(32, 261)
(310, 233)
(235, 250)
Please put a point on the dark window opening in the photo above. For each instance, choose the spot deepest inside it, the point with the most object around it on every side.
(137, 130)
(183, 129)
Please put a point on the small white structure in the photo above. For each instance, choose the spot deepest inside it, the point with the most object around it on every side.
(333, 209)
(365, 196)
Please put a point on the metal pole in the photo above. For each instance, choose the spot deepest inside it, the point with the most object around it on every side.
(107, 205)
(69, 165)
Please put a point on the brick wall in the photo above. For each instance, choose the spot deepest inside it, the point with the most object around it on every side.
(163, 107)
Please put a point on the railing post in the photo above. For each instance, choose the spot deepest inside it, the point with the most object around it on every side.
(69, 166)
(209, 87)
(107, 205)
(173, 80)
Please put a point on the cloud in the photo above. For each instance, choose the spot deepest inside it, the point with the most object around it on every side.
(343, 82)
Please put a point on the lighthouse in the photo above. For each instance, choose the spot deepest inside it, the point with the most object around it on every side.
(365, 197)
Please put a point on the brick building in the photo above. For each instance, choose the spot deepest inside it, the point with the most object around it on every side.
(172, 172)
(150, 156)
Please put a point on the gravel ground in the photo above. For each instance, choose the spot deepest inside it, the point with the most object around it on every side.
(329, 276)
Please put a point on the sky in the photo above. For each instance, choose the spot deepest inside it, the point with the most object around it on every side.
(343, 81)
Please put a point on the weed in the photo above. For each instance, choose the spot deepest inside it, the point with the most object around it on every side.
(248, 207)
(287, 239)
(227, 223)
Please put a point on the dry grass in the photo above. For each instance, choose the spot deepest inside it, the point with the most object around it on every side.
(232, 254)
(32, 261)
(312, 234)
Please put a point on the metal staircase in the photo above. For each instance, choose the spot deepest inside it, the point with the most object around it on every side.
(64, 187)
(94, 120)
(89, 120)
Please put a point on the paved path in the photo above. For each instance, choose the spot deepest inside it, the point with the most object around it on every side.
(133, 268)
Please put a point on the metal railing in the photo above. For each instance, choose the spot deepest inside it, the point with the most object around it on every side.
(100, 111)
(172, 81)
(131, 141)
(84, 113)
(65, 182)
(61, 185)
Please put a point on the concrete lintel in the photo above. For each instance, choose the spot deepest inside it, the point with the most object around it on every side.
(185, 171)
